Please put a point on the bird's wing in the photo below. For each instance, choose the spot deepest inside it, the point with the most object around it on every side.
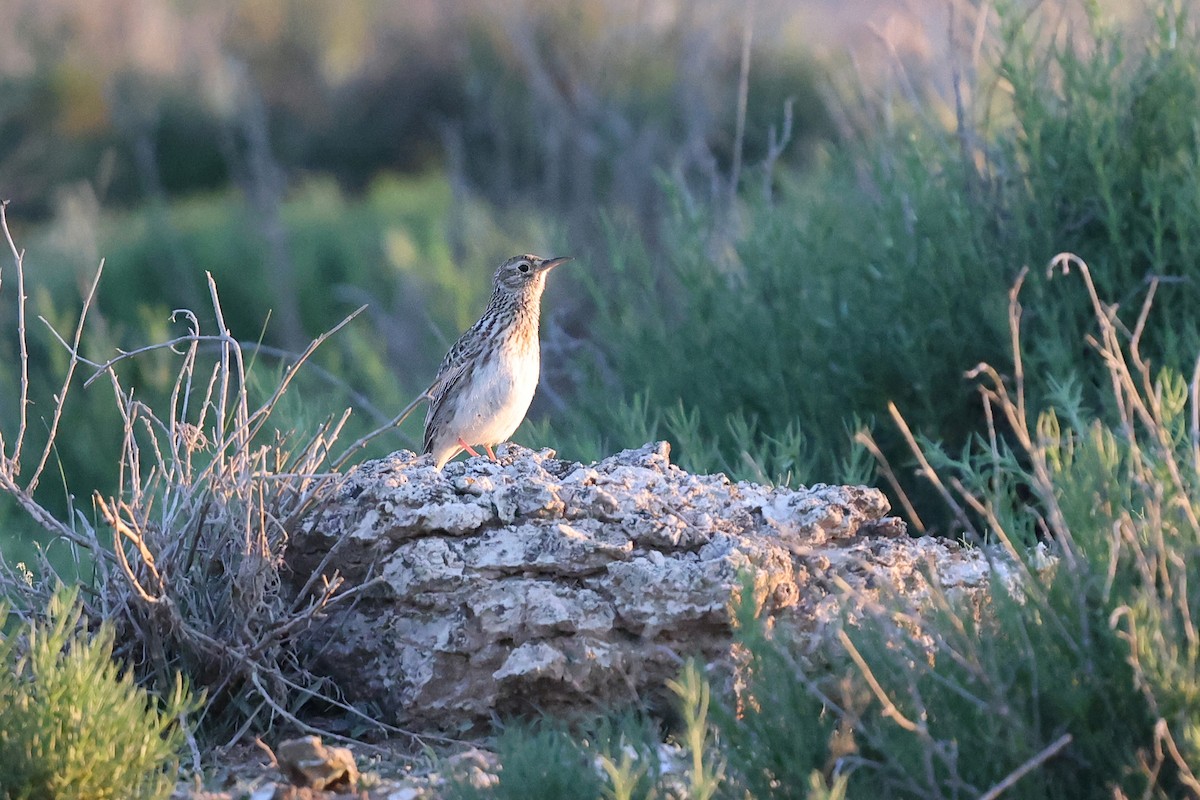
(465, 350)
(441, 395)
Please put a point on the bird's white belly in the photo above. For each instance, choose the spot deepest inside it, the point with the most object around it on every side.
(493, 406)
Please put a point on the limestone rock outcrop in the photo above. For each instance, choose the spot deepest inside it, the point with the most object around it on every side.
(534, 583)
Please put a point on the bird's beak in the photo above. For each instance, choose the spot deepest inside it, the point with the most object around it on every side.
(550, 263)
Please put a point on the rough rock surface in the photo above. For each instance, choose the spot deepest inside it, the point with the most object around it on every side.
(307, 763)
(533, 583)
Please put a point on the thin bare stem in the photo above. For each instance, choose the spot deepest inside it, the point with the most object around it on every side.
(1162, 732)
(868, 441)
(60, 399)
(777, 142)
(359, 399)
(1014, 343)
(46, 520)
(1044, 755)
(889, 708)
(22, 343)
(1143, 315)
(1195, 421)
(929, 473)
(170, 344)
(1124, 384)
(341, 460)
(743, 94)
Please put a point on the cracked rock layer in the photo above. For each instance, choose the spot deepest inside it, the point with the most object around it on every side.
(534, 583)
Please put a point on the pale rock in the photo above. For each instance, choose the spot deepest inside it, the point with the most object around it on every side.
(538, 584)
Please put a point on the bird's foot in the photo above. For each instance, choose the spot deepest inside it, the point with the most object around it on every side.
(491, 455)
(471, 450)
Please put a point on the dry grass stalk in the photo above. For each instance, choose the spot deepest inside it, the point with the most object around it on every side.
(1155, 461)
(209, 491)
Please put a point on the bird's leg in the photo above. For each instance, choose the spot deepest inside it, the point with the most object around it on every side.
(491, 455)
(470, 449)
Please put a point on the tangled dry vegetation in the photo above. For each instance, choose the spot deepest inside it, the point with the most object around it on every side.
(183, 558)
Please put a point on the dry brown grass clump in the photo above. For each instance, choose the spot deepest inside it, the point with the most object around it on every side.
(185, 555)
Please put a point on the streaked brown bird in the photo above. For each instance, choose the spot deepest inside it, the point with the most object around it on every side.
(486, 382)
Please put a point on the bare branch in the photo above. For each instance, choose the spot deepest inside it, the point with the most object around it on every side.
(929, 473)
(14, 461)
(865, 438)
(743, 94)
(889, 708)
(777, 142)
(1029, 766)
(171, 344)
(394, 422)
(60, 401)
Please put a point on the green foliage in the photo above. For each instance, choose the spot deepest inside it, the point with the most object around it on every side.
(707, 770)
(74, 726)
(775, 733)
(626, 749)
(880, 278)
(1079, 677)
(1013, 684)
(745, 452)
(539, 762)
(613, 757)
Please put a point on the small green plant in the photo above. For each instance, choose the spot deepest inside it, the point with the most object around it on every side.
(74, 725)
(628, 750)
(707, 769)
(537, 762)
(624, 774)
(776, 734)
(616, 757)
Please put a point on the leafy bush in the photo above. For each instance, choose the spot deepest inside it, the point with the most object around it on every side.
(76, 727)
(881, 277)
(776, 733)
(540, 762)
(1080, 681)
(615, 757)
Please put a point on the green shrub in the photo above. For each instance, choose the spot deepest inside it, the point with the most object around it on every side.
(614, 757)
(1079, 682)
(74, 726)
(538, 762)
(776, 734)
(881, 277)
(995, 695)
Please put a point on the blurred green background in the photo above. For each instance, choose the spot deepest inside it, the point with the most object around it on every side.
(755, 287)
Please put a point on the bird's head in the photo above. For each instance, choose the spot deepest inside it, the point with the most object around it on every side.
(525, 273)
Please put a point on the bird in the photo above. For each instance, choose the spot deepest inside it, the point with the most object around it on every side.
(486, 382)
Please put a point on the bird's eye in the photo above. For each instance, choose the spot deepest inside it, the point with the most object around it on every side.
(523, 267)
